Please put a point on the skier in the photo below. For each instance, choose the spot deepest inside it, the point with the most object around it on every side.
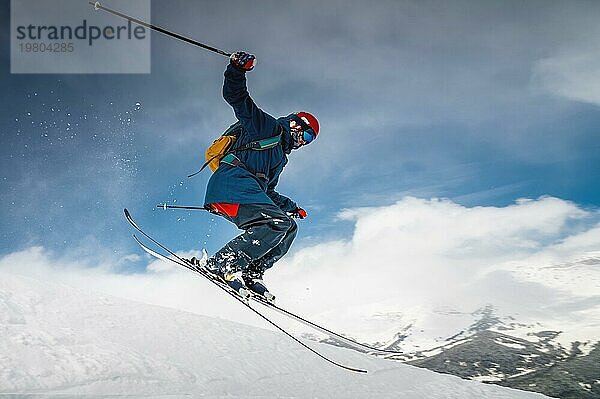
(242, 189)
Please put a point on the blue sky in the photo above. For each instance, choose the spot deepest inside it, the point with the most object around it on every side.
(478, 102)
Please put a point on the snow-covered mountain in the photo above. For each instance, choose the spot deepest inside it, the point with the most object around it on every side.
(55, 339)
(503, 351)
(554, 349)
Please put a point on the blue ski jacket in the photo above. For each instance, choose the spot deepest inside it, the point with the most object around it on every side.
(253, 183)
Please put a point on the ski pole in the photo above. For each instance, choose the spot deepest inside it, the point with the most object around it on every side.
(165, 207)
(97, 6)
(202, 208)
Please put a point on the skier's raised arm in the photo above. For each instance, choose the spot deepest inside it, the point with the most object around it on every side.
(235, 92)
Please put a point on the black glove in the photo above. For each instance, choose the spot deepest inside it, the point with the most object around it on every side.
(243, 60)
(298, 213)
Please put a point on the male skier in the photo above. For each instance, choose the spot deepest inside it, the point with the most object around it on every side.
(242, 189)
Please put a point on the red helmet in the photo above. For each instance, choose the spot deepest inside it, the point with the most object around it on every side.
(313, 123)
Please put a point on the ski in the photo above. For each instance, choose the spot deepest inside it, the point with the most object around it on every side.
(182, 262)
(348, 341)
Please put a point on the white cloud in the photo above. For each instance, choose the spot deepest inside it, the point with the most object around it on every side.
(572, 74)
(428, 264)
(420, 258)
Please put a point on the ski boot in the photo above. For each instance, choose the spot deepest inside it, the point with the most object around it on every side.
(233, 280)
(253, 280)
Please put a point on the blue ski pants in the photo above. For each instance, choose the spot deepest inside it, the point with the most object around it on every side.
(268, 235)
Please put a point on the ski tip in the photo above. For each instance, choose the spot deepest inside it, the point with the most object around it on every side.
(127, 214)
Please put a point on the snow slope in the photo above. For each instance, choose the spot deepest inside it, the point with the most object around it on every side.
(59, 340)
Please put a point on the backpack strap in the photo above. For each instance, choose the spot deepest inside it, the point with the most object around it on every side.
(231, 159)
(204, 165)
(258, 145)
(263, 144)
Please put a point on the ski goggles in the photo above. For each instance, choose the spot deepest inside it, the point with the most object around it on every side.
(303, 137)
(308, 136)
